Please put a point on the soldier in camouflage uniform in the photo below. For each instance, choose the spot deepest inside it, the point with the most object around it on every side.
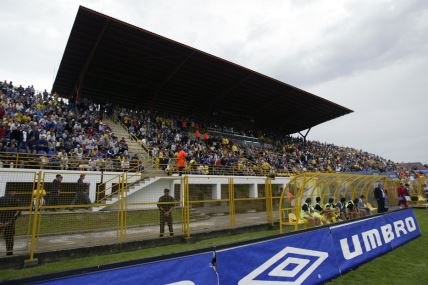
(166, 212)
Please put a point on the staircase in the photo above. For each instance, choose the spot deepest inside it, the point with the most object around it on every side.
(133, 187)
(133, 146)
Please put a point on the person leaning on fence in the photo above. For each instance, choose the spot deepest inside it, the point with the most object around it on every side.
(53, 196)
(181, 161)
(82, 196)
(166, 205)
(8, 218)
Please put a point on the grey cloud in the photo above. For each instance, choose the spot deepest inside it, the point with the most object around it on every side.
(371, 37)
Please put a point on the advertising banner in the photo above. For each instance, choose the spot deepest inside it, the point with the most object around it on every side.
(401, 227)
(189, 270)
(310, 257)
(360, 241)
(306, 258)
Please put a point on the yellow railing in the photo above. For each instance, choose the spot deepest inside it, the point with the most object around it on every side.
(40, 161)
(196, 207)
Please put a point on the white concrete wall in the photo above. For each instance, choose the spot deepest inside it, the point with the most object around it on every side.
(152, 192)
(92, 177)
(149, 193)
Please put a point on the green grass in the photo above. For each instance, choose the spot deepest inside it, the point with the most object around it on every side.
(73, 222)
(405, 265)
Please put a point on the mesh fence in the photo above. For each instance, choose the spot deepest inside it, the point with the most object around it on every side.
(16, 210)
(209, 206)
(77, 210)
(156, 212)
(53, 210)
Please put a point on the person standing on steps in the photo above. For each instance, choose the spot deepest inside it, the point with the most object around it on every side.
(165, 206)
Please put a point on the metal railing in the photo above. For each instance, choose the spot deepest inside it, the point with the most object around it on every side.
(41, 161)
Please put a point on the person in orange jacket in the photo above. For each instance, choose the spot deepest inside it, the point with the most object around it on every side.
(206, 137)
(181, 160)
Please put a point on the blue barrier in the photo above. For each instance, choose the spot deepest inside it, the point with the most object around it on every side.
(358, 242)
(188, 270)
(310, 257)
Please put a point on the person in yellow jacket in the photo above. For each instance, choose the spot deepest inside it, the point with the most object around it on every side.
(39, 193)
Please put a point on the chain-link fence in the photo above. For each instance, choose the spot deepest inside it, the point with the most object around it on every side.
(56, 210)
(17, 202)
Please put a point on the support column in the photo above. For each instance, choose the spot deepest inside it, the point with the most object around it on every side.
(92, 191)
(254, 193)
(216, 191)
(172, 188)
(2, 188)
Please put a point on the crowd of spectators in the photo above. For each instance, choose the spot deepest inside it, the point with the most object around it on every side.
(295, 155)
(67, 135)
(48, 130)
(164, 136)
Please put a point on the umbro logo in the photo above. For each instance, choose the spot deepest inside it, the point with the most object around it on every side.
(290, 266)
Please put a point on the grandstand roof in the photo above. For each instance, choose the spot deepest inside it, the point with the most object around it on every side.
(112, 61)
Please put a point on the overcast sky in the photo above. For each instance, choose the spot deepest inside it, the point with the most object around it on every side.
(370, 56)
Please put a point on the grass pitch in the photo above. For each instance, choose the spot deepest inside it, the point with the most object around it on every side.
(405, 265)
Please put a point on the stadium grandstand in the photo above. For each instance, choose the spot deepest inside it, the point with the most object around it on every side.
(219, 113)
(140, 131)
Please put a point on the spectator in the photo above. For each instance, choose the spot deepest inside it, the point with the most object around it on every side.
(8, 219)
(82, 192)
(53, 196)
(402, 194)
(379, 195)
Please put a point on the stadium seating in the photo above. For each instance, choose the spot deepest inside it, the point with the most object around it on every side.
(54, 133)
(41, 130)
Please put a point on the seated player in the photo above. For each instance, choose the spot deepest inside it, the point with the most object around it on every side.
(362, 208)
(342, 208)
(309, 213)
(351, 210)
(318, 206)
(331, 213)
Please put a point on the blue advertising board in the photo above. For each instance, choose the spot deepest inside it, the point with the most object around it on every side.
(189, 270)
(402, 227)
(360, 241)
(310, 257)
(306, 258)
